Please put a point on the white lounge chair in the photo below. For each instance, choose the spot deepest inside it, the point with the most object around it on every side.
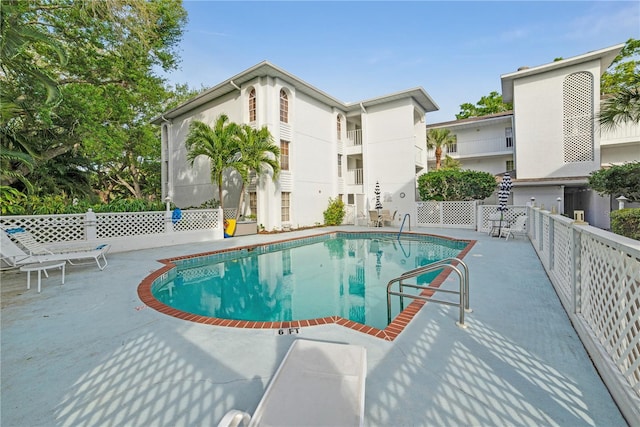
(317, 384)
(20, 248)
(518, 228)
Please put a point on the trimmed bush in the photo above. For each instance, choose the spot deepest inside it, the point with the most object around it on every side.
(456, 185)
(335, 212)
(626, 222)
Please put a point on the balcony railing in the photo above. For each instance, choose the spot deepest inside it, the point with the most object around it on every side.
(625, 132)
(354, 177)
(354, 137)
(419, 160)
(476, 147)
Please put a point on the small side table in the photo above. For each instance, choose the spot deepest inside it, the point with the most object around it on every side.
(44, 266)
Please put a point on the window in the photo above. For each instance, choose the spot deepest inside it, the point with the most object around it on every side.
(253, 202)
(339, 127)
(339, 165)
(284, 155)
(284, 106)
(508, 136)
(285, 204)
(252, 105)
(509, 166)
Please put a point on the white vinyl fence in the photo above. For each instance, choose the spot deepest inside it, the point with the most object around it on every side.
(469, 215)
(446, 214)
(124, 231)
(596, 275)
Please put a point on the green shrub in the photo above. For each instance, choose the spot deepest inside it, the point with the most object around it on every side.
(334, 213)
(626, 222)
(618, 180)
(454, 185)
(17, 204)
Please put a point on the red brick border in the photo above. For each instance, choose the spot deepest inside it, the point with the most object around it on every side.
(390, 333)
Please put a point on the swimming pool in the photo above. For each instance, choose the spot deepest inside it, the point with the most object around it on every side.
(333, 275)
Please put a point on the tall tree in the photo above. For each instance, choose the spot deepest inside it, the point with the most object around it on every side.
(620, 85)
(258, 154)
(92, 86)
(490, 104)
(219, 144)
(437, 138)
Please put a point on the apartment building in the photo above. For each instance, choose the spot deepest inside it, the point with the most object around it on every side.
(329, 148)
(551, 141)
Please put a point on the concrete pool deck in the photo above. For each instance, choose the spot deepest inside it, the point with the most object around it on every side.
(89, 353)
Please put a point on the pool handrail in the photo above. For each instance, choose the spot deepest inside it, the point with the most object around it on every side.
(463, 291)
(404, 218)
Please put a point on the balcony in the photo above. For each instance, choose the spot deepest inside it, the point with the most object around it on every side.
(354, 137)
(354, 142)
(476, 148)
(622, 134)
(419, 153)
(354, 176)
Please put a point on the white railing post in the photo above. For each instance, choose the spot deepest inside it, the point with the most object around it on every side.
(90, 225)
(168, 220)
(221, 219)
(576, 273)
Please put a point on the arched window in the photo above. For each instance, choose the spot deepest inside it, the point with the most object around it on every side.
(339, 127)
(252, 105)
(284, 106)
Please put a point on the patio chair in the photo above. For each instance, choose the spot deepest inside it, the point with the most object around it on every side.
(317, 383)
(388, 219)
(375, 220)
(19, 247)
(518, 228)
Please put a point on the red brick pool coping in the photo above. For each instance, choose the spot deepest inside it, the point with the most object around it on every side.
(389, 333)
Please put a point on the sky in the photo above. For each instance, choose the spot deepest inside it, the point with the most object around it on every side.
(356, 50)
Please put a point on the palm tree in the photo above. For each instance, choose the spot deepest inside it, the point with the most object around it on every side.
(220, 144)
(623, 106)
(438, 138)
(259, 154)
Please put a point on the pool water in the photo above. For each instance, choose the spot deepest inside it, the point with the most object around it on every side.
(332, 275)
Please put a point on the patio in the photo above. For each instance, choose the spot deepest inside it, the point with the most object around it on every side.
(88, 353)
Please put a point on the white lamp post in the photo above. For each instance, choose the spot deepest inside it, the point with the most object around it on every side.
(621, 201)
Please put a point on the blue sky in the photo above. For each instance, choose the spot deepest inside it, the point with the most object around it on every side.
(455, 50)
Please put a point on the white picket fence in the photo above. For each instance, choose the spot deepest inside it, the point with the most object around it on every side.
(596, 275)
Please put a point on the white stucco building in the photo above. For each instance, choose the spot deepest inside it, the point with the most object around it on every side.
(550, 143)
(328, 148)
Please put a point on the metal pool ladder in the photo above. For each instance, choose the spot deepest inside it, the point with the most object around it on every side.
(463, 276)
(404, 218)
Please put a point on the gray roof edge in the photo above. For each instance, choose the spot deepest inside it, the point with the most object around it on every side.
(472, 120)
(243, 77)
(606, 56)
(417, 93)
(226, 86)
